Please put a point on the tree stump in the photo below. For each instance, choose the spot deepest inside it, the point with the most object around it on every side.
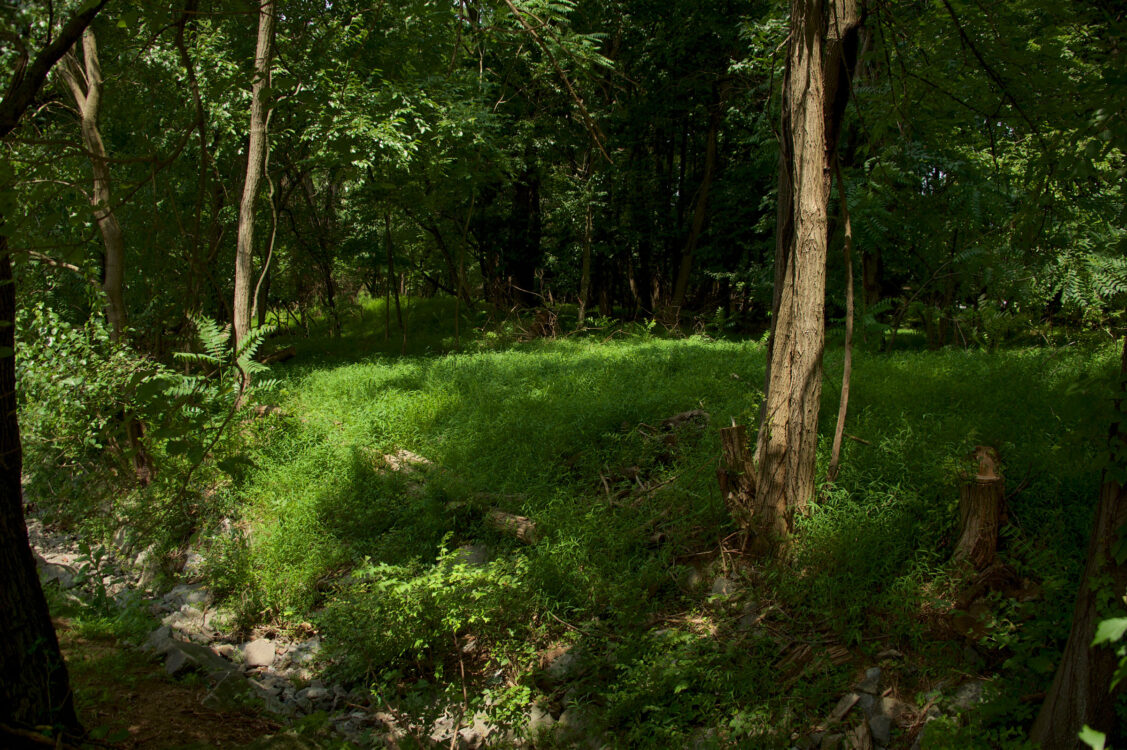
(981, 500)
(736, 476)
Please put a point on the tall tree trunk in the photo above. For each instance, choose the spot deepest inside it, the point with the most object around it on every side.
(700, 210)
(821, 53)
(847, 366)
(585, 276)
(34, 686)
(1081, 691)
(88, 100)
(256, 156)
(394, 280)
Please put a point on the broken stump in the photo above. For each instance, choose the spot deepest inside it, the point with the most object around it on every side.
(981, 500)
(736, 475)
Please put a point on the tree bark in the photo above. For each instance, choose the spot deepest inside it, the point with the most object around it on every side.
(1081, 691)
(847, 366)
(820, 58)
(88, 100)
(34, 686)
(256, 157)
(981, 500)
(700, 209)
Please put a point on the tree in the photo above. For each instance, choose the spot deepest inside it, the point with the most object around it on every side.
(256, 157)
(821, 54)
(34, 685)
(88, 99)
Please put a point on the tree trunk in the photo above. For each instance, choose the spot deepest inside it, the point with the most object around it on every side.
(88, 100)
(34, 687)
(256, 157)
(585, 276)
(822, 50)
(1081, 691)
(700, 210)
(736, 476)
(392, 279)
(847, 366)
(981, 500)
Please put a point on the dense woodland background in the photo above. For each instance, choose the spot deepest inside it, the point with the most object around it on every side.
(258, 251)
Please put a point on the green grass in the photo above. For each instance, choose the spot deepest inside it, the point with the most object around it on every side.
(547, 429)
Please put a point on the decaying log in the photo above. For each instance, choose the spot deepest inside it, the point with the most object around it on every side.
(695, 415)
(736, 475)
(521, 527)
(281, 355)
(981, 500)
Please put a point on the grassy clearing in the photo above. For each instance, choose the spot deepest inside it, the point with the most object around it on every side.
(566, 433)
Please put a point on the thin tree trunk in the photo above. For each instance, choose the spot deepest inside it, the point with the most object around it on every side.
(585, 277)
(847, 367)
(1081, 691)
(700, 211)
(256, 156)
(88, 100)
(815, 89)
(392, 279)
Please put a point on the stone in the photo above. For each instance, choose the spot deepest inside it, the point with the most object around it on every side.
(889, 654)
(723, 587)
(148, 566)
(565, 666)
(183, 657)
(226, 650)
(158, 640)
(471, 555)
(63, 575)
(540, 721)
(881, 728)
(315, 694)
(871, 683)
(968, 695)
(869, 705)
(832, 741)
(578, 727)
(898, 711)
(477, 734)
(259, 653)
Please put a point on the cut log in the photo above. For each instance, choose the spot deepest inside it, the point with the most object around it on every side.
(521, 527)
(736, 475)
(981, 500)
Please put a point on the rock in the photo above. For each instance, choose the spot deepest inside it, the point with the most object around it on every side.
(64, 575)
(895, 710)
(315, 694)
(476, 735)
(264, 689)
(193, 564)
(889, 654)
(723, 587)
(693, 579)
(968, 695)
(832, 742)
(187, 619)
(869, 705)
(148, 566)
(881, 728)
(472, 555)
(158, 640)
(259, 653)
(540, 721)
(183, 657)
(226, 650)
(577, 727)
(871, 683)
(842, 708)
(565, 666)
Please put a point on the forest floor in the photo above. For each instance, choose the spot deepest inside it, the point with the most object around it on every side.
(608, 605)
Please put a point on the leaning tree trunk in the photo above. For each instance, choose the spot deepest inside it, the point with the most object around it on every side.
(1081, 691)
(256, 157)
(821, 53)
(88, 99)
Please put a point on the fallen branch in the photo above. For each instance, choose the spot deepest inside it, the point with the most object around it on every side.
(521, 527)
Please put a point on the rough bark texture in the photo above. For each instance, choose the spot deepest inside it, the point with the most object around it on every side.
(34, 688)
(736, 476)
(256, 157)
(1081, 691)
(981, 500)
(85, 83)
(821, 52)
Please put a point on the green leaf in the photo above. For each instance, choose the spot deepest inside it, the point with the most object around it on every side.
(1110, 630)
(1092, 738)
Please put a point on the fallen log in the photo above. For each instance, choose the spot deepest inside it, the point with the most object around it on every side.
(521, 527)
(281, 355)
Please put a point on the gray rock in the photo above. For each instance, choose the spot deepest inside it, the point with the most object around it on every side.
(540, 721)
(315, 694)
(890, 654)
(578, 726)
(472, 555)
(183, 657)
(226, 650)
(881, 727)
(832, 741)
(259, 653)
(63, 575)
(869, 705)
(158, 640)
(693, 579)
(894, 709)
(565, 666)
(871, 683)
(148, 566)
(723, 587)
(968, 695)
(477, 734)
